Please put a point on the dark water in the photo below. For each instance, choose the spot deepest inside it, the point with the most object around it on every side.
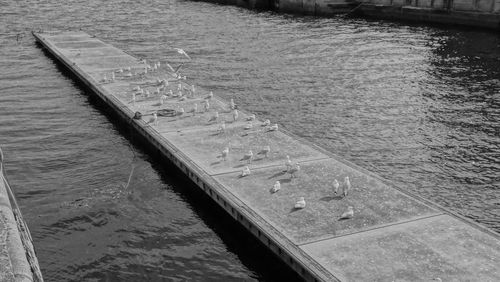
(418, 105)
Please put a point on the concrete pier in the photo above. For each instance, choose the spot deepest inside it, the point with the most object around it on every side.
(392, 236)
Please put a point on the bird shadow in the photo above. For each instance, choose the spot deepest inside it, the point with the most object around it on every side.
(285, 180)
(215, 134)
(277, 174)
(240, 165)
(294, 209)
(215, 163)
(331, 198)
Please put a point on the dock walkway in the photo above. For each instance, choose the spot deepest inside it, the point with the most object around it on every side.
(393, 236)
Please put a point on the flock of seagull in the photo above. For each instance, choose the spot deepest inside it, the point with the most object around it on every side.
(163, 91)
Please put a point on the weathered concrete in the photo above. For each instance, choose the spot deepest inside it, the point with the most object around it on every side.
(14, 265)
(393, 236)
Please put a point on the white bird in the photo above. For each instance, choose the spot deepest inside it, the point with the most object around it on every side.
(140, 92)
(157, 91)
(293, 170)
(251, 117)
(136, 88)
(180, 112)
(222, 127)
(215, 117)
(232, 105)
(265, 151)
(104, 78)
(128, 74)
(210, 95)
(248, 157)
(119, 71)
(346, 186)
(128, 69)
(276, 187)
(249, 125)
(155, 67)
(165, 82)
(225, 153)
(182, 52)
(154, 119)
(179, 86)
(349, 213)
(288, 163)
(194, 109)
(246, 171)
(162, 98)
(133, 98)
(171, 93)
(336, 186)
(274, 127)
(206, 106)
(193, 89)
(112, 76)
(235, 115)
(300, 204)
(146, 93)
(266, 122)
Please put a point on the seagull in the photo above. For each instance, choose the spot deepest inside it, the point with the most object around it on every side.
(274, 127)
(266, 122)
(251, 117)
(128, 74)
(179, 86)
(136, 88)
(349, 213)
(248, 157)
(222, 127)
(193, 89)
(133, 98)
(182, 52)
(293, 170)
(170, 93)
(180, 112)
(155, 67)
(235, 115)
(346, 187)
(288, 163)
(193, 110)
(146, 93)
(265, 151)
(225, 153)
(119, 71)
(157, 91)
(158, 64)
(210, 95)
(335, 186)
(276, 187)
(128, 69)
(206, 106)
(104, 78)
(232, 105)
(112, 76)
(214, 117)
(154, 119)
(249, 125)
(246, 171)
(301, 203)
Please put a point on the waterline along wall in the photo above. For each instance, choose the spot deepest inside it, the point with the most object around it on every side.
(478, 13)
(392, 235)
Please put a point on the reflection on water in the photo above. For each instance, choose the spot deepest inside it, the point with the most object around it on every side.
(419, 106)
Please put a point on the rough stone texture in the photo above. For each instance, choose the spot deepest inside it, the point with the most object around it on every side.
(437, 247)
(6, 273)
(374, 203)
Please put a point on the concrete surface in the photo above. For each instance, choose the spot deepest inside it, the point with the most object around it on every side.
(393, 236)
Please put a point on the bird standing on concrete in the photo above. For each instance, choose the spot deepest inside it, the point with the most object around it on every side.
(266, 123)
(265, 151)
(346, 186)
(210, 95)
(225, 153)
(206, 106)
(336, 186)
(248, 126)
(274, 127)
(349, 213)
(232, 105)
(154, 119)
(300, 204)
(251, 117)
(214, 118)
(276, 187)
(288, 164)
(246, 171)
(248, 157)
(222, 127)
(294, 170)
(235, 115)
(180, 112)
